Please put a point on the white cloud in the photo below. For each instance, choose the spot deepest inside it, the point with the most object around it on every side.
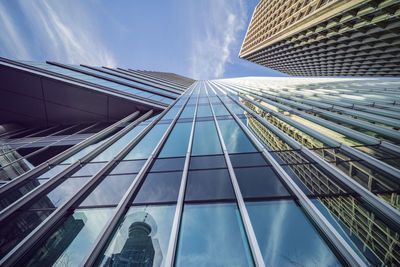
(215, 46)
(54, 33)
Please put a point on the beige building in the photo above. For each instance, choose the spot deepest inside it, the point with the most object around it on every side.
(325, 37)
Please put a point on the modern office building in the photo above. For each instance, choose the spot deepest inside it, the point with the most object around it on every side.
(325, 37)
(144, 168)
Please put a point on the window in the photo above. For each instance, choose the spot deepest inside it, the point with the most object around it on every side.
(209, 185)
(212, 235)
(177, 142)
(159, 187)
(206, 139)
(207, 162)
(235, 139)
(169, 164)
(259, 182)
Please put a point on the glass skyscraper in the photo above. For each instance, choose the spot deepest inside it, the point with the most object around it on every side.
(161, 170)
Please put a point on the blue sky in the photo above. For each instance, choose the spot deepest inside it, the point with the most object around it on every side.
(196, 38)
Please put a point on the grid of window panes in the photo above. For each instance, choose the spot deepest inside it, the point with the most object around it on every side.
(184, 176)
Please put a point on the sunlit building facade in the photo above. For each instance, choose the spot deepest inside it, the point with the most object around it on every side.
(232, 172)
(325, 37)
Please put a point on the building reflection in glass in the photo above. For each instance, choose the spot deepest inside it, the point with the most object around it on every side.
(375, 240)
(139, 248)
(141, 238)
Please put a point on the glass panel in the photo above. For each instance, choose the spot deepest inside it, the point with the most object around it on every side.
(209, 185)
(235, 139)
(250, 159)
(220, 110)
(171, 164)
(207, 162)
(159, 187)
(204, 110)
(60, 194)
(144, 148)
(206, 140)
(128, 166)
(89, 169)
(177, 142)
(109, 191)
(141, 238)
(286, 237)
(188, 112)
(115, 148)
(259, 182)
(53, 171)
(69, 243)
(212, 235)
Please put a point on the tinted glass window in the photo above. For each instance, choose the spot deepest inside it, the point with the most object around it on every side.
(69, 243)
(204, 110)
(259, 182)
(207, 162)
(235, 139)
(159, 187)
(212, 235)
(177, 142)
(206, 140)
(285, 236)
(142, 236)
(144, 148)
(89, 169)
(170, 164)
(209, 185)
(109, 191)
(188, 112)
(128, 166)
(250, 159)
(220, 110)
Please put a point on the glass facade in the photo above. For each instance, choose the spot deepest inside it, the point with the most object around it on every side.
(235, 172)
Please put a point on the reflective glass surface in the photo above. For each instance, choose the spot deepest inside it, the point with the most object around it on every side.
(128, 166)
(141, 238)
(204, 110)
(248, 159)
(116, 147)
(206, 140)
(109, 191)
(209, 185)
(212, 235)
(286, 237)
(235, 139)
(159, 187)
(144, 148)
(69, 243)
(168, 164)
(89, 169)
(207, 162)
(177, 142)
(259, 182)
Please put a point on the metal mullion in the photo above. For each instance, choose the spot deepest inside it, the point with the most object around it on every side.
(34, 152)
(54, 217)
(173, 240)
(144, 79)
(123, 205)
(66, 154)
(380, 205)
(99, 76)
(71, 168)
(251, 237)
(129, 79)
(384, 167)
(38, 132)
(155, 78)
(45, 147)
(14, 132)
(349, 255)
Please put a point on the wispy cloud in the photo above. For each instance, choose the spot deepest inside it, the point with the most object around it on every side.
(218, 38)
(52, 33)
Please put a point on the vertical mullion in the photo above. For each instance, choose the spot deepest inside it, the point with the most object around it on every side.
(173, 240)
(251, 237)
(123, 205)
(348, 254)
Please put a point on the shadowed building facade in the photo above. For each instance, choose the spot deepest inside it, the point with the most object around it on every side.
(325, 37)
(162, 170)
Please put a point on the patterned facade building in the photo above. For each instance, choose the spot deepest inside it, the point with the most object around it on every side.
(325, 37)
